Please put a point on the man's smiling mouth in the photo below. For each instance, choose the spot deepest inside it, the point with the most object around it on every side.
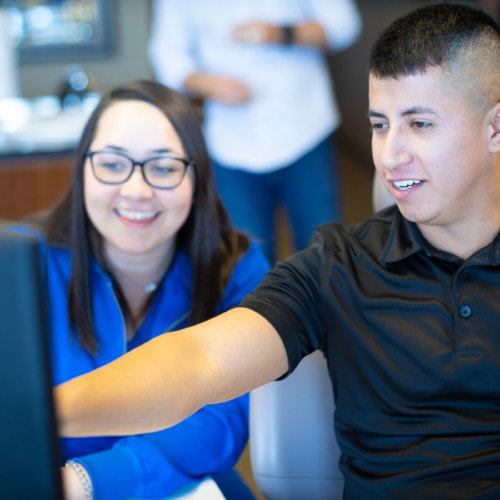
(404, 185)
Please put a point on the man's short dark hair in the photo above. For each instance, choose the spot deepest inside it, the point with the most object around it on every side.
(433, 35)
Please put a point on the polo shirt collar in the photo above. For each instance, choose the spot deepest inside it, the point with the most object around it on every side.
(405, 239)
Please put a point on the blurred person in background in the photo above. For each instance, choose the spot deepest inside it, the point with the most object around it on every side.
(269, 109)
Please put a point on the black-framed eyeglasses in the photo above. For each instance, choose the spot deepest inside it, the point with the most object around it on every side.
(161, 172)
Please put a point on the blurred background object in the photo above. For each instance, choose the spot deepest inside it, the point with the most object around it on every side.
(9, 79)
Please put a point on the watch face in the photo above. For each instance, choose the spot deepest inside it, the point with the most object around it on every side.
(287, 34)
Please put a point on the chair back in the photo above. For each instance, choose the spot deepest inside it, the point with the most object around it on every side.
(293, 450)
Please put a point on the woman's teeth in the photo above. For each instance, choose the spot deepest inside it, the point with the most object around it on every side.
(133, 215)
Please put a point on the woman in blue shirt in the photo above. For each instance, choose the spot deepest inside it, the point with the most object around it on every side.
(140, 245)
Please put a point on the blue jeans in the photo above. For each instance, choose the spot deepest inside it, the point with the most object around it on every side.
(308, 189)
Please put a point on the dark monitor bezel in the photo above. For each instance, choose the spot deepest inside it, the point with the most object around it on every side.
(30, 456)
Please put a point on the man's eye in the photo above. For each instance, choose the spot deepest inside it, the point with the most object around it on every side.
(376, 126)
(421, 124)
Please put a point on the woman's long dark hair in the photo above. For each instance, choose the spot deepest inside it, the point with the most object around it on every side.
(207, 236)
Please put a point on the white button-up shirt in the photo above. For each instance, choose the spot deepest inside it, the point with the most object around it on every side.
(293, 107)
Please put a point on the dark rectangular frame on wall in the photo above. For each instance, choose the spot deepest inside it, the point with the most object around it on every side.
(101, 44)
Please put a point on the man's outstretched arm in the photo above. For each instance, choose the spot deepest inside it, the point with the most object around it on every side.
(163, 381)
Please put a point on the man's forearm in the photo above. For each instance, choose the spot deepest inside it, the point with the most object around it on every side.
(170, 377)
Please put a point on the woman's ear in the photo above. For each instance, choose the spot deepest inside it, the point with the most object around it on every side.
(495, 127)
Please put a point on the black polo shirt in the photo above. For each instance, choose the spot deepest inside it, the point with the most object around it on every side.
(412, 338)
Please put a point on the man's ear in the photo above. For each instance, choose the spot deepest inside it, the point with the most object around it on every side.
(495, 127)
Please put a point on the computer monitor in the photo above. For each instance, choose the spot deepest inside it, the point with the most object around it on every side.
(29, 449)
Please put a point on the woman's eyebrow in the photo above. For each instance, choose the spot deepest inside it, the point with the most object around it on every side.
(116, 148)
(121, 149)
(162, 150)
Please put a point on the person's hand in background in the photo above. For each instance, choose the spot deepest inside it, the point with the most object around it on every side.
(224, 89)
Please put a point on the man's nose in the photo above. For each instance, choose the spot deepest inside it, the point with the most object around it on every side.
(395, 150)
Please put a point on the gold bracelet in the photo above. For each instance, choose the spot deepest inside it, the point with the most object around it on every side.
(83, 477)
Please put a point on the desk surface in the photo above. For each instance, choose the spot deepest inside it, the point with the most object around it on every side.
(206, 490)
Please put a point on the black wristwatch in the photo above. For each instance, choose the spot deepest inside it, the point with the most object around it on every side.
(287, 34)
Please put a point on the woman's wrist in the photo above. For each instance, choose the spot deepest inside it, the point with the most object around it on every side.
(83, 478)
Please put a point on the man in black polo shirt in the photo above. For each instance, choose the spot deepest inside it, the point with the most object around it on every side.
(405, 306)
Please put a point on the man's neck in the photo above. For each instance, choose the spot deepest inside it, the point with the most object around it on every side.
(465, 240)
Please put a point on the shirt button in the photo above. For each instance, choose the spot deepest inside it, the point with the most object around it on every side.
(465, 311)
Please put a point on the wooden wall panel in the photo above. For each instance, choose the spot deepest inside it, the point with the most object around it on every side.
(32, 183)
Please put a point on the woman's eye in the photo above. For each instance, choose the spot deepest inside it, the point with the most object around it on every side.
(112, 166)
(161, 169)
(165, 167)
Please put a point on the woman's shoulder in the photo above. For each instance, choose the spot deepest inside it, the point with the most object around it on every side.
(250, 268)
(25, 228)
(254, 256)
(34, 227)
(33, 224)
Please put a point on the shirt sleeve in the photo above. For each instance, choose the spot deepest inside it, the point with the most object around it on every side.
(290, 298)
(340, 19)
(157, 464)
(208, 442)
(170, 47)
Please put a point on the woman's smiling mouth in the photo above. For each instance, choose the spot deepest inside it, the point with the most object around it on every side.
(135, 215)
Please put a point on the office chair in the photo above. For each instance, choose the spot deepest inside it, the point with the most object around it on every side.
(293, 449)
(380, 196)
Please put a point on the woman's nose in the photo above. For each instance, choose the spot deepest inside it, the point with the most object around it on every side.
(136, 186)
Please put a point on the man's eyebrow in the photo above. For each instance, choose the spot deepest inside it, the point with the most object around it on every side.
(415, 110)
(375, 114)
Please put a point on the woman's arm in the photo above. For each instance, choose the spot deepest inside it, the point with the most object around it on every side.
(170, 377)
(210, 441)
(156, 464)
